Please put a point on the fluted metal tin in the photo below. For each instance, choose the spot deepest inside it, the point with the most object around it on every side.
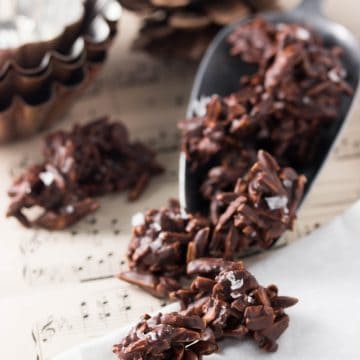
(32, 98)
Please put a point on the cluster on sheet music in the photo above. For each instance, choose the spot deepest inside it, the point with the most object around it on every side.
(94, 249)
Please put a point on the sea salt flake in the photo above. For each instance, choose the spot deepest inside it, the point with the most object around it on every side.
(156, 226)
(277, 202)
(249, 299)
(47, 178)
(288, 183)
(236, 284)
(157, 244)
(140, 334)
(235, 294)
(279, 105)
(302, 34)
(152, 335)
(184, 215)
(198, 106)
(138, 219)
(306, 100)
(69, 209)
(334, 75)
(223, 311)
(176, 216)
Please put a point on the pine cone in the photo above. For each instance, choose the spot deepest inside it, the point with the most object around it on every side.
(184, 28)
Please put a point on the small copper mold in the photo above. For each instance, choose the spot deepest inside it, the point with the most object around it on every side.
(34, 97)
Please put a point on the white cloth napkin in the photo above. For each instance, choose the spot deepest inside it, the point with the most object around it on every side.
(323, 271)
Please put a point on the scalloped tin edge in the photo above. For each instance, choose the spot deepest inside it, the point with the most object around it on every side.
(22, 118)
(110, 13)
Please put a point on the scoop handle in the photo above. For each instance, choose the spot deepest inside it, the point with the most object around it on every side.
(311, 7)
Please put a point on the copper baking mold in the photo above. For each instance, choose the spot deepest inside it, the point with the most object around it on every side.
(27, 57)
(31, 99)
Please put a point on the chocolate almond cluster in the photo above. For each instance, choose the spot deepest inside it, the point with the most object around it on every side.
(259, 210)
(232, 303)
(88, 161)
(158, 249)
(224, 300)
(285, 107)
(167, 337)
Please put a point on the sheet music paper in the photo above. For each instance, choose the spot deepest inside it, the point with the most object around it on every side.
(57, 288)
(316, 317)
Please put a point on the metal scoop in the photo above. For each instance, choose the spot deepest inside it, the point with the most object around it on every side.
(219, 73)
